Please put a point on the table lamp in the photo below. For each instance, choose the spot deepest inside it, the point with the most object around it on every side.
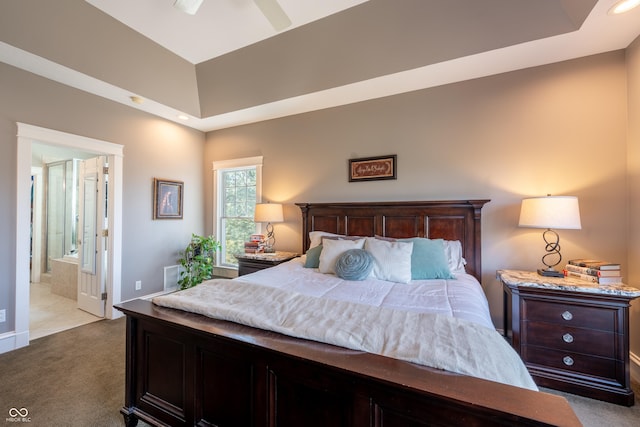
(560, 212)
(269, 213)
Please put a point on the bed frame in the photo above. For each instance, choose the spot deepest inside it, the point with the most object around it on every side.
(187, 369)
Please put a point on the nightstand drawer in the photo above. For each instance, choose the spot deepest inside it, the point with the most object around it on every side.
(577, 340)
(249, 267)
(570, 314)
(595, 366)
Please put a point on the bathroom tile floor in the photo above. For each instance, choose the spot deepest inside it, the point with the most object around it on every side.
(50, 313)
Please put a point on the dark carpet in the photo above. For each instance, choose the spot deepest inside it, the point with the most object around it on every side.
(73, 378)
(596, 413)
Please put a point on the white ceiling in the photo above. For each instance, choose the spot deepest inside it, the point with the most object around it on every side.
(231, 24)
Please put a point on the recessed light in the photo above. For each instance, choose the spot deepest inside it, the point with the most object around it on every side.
(183, 117)
(623, 6)
(136, 99)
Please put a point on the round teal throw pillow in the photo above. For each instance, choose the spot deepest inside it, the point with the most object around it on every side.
(354, 264)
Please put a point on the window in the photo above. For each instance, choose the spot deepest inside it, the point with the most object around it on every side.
(237, 184)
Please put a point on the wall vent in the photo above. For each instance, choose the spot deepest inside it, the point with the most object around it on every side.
(171, 276)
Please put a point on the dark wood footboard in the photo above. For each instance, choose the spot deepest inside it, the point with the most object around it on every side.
(187, 369)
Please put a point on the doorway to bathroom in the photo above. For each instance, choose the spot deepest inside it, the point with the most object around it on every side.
(64, 220)
(31, 185)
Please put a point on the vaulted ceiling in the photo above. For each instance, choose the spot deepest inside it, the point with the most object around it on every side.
(227, 66)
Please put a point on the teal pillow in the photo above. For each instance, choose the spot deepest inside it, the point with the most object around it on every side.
(354, 264)
(313, 257)
(428, 259)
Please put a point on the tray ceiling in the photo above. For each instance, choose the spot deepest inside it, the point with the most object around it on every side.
(227, 66)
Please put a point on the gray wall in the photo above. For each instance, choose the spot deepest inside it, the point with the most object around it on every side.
(558, 129)
(152, 148)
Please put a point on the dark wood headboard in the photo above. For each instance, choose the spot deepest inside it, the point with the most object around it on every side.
(449, 220)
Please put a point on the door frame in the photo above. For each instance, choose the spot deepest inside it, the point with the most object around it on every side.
(28, 134)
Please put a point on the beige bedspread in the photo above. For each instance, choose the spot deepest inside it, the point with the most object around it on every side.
(428, 339)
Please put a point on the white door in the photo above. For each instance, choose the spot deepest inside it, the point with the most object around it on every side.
(92, 223)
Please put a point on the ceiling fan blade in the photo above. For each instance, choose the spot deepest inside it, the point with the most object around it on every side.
(188, 6)
(272, 10)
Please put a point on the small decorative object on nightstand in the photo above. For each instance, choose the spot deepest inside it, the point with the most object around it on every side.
(249, 263)
(572, 335)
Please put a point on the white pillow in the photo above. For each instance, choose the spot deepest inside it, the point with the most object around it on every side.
(453, 252)
(315, 237)
(331, 251)
(392, 259)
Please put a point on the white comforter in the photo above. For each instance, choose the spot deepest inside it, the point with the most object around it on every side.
(366, 318)
(462, 298)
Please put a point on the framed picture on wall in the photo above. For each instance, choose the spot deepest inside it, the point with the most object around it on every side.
(167, 199)
(372, 168)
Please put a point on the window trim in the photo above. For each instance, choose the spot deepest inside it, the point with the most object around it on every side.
(225, 165)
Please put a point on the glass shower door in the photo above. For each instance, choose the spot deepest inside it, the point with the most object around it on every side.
(55, 214)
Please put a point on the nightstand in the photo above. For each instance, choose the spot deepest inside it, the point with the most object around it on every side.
(571, 334)
(249, 263)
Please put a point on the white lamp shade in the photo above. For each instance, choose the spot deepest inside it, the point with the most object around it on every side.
(268, 212)
(561, 212)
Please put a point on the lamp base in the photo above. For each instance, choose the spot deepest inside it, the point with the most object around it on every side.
(550, 272)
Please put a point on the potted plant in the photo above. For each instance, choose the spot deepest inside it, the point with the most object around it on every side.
(197, 260)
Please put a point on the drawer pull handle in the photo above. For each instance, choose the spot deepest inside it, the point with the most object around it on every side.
(568, 360)
(568, 338)
(567, 315)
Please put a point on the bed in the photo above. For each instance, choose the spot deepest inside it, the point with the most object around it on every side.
(187, 368)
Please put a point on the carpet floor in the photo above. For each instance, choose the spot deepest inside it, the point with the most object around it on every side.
(76, 378)
(595, 413)
(73, 378)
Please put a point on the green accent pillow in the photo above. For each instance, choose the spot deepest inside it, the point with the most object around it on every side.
(428, 259)
(313, 257)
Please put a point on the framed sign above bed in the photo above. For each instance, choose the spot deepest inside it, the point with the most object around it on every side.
(372, 168)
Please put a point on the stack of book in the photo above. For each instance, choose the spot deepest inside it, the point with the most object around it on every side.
(255, 244)
(594, 271)
(251, 247)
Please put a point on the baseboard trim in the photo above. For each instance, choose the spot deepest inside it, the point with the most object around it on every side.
(11, 341)
(157, 294)
(148, 297)
(634, 367)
